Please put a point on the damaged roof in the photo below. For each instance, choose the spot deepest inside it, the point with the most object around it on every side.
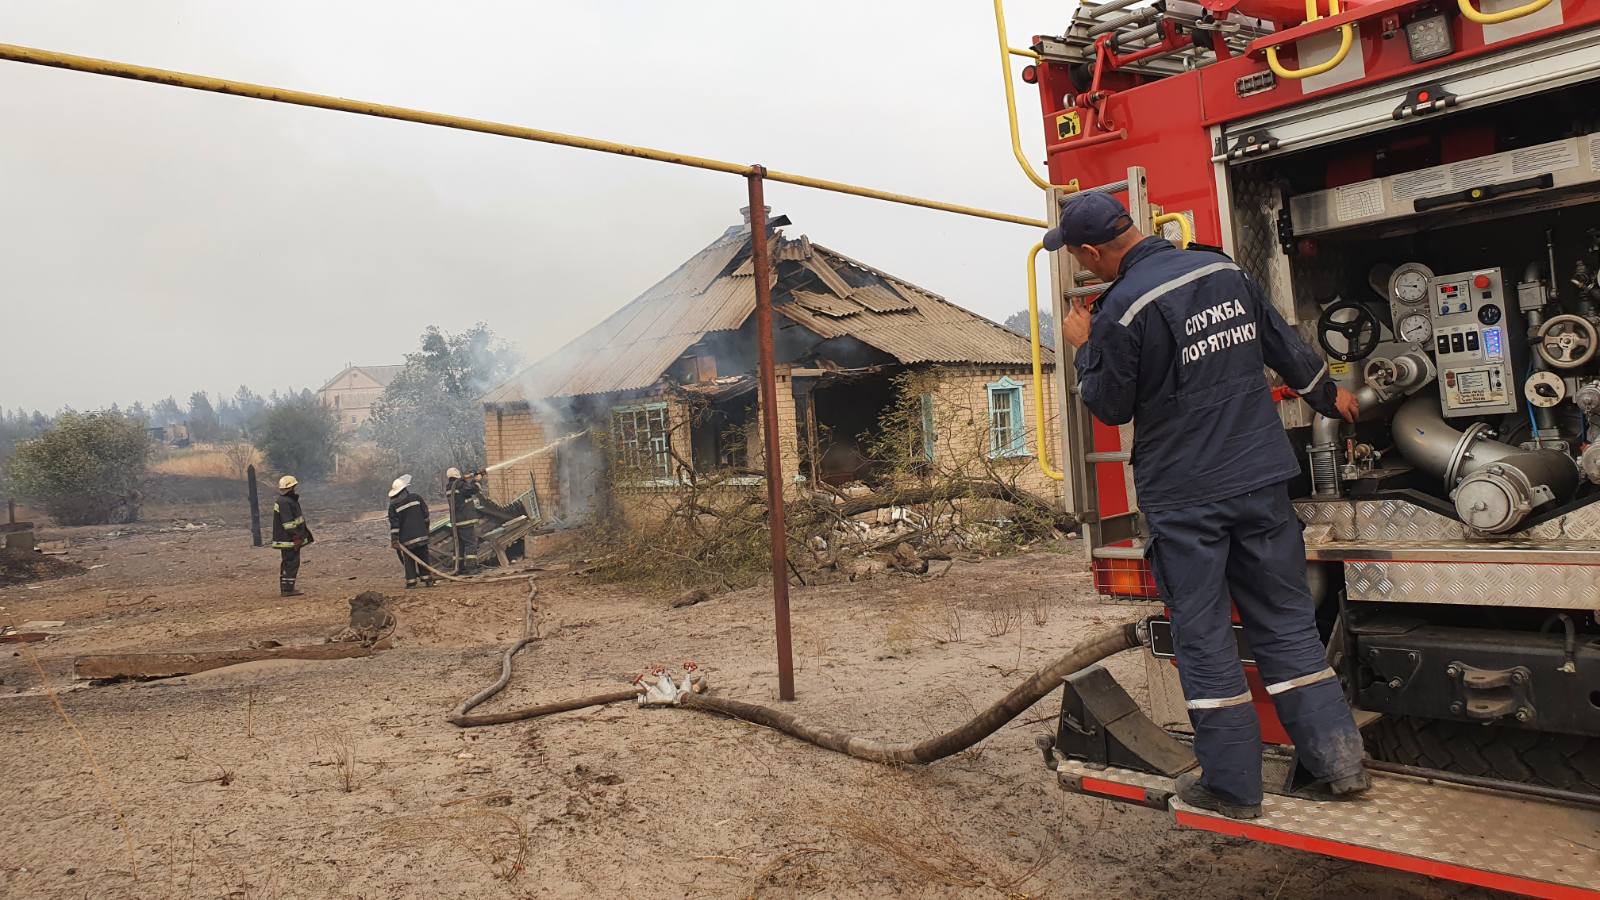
(819, 289)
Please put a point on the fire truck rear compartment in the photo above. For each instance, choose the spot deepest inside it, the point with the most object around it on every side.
(1456, 523)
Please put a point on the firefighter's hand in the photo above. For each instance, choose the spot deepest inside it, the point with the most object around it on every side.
(1349, 406)
(299, 541)
(1076, 327)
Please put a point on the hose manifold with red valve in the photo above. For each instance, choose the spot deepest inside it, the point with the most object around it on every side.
(656, 687)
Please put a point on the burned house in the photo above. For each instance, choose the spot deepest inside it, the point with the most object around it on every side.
(663, 393)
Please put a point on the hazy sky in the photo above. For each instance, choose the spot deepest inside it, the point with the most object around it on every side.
(156, 240)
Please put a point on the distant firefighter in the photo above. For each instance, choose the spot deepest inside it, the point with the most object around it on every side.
(289, 534)
(408, 530)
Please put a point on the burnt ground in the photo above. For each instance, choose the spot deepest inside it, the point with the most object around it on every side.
(342, 779)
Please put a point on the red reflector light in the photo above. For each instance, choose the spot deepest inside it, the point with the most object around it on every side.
(1129, 578)
(1030, 74)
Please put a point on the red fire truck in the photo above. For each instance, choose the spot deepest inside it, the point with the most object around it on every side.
(1416, 183)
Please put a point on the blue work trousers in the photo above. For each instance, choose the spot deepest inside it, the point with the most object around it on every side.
(1249, 549)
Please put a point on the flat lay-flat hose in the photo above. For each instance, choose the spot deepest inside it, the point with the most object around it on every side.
(1106, 643)
(459, 717)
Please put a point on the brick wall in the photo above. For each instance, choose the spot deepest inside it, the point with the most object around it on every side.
(961, 419)
(509, 432)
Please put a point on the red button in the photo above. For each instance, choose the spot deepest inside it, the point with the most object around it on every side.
(1422, 96)
(1481, 282)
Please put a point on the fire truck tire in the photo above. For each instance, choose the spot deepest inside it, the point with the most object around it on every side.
(1566, 761)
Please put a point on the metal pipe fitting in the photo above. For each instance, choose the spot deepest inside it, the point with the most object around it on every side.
(1327, 441)
(1494, 485)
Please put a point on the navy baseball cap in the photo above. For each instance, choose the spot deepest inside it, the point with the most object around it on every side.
(1088, 218)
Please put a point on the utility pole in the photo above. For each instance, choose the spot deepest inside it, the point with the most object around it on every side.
(255, 507)
(761, 267)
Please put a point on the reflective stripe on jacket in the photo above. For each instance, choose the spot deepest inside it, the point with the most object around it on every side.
(1178, 346)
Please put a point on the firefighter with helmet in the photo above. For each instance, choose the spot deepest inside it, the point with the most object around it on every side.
(1177, 345)
(289, 534)
(408, 531)
(462, 493)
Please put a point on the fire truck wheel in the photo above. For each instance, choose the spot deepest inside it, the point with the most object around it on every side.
(1566, 761)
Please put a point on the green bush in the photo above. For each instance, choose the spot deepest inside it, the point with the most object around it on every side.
(84, 470)
(299, 437)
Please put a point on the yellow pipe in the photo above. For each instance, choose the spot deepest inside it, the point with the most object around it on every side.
(1038, 364)
(1183, 227)
(1483, 18)
(1011, 101)
(1346, 41)
(114, 69)
(1024, 53)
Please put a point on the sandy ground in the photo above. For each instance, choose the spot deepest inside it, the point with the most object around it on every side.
(342, 779)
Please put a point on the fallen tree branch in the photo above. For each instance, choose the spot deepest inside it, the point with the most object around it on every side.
(166, 665)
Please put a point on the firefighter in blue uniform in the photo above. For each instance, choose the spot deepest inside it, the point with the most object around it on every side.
(1177, 345)
(289, 534)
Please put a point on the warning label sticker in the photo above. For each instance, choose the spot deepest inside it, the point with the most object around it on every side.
(1544, 158)
(1361, 200)
(1068, 126)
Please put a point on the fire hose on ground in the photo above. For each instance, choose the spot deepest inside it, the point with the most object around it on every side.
(470, 579)
(662, 692)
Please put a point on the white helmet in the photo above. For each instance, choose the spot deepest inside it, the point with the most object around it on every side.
(287, 483)
(400, 484)
(452, 472)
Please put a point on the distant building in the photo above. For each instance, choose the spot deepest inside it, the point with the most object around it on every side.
(173, 435)
(352, 393)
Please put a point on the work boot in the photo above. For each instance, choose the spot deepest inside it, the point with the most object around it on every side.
(1347, 788)
(291, 592)
(410, 585)
(1192, 792)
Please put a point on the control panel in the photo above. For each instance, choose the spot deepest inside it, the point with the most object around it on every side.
(1473, 350)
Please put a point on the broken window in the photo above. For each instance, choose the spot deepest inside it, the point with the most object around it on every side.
(1005, 418)
(643, 443)
(722, 432)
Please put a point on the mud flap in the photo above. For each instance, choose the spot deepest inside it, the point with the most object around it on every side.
(1102, 726)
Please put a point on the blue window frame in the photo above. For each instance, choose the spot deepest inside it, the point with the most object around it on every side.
(1006, 434)
(930, 437)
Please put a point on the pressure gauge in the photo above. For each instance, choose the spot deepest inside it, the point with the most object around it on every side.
(1408, 286)
(1415, 328)
(1544, 389)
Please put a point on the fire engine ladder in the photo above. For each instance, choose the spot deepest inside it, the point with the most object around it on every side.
(1122, 535)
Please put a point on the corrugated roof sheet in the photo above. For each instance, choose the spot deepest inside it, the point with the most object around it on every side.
(826, 304)
(828, 293)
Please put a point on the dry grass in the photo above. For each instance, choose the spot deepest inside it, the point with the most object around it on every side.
(1001, 618)
(209, 461)
(928, 852)
(1041, 612)
(917, 841)
(900, 636)
(499, 840)
(800, 858)
(340, 749)
(944, 626)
